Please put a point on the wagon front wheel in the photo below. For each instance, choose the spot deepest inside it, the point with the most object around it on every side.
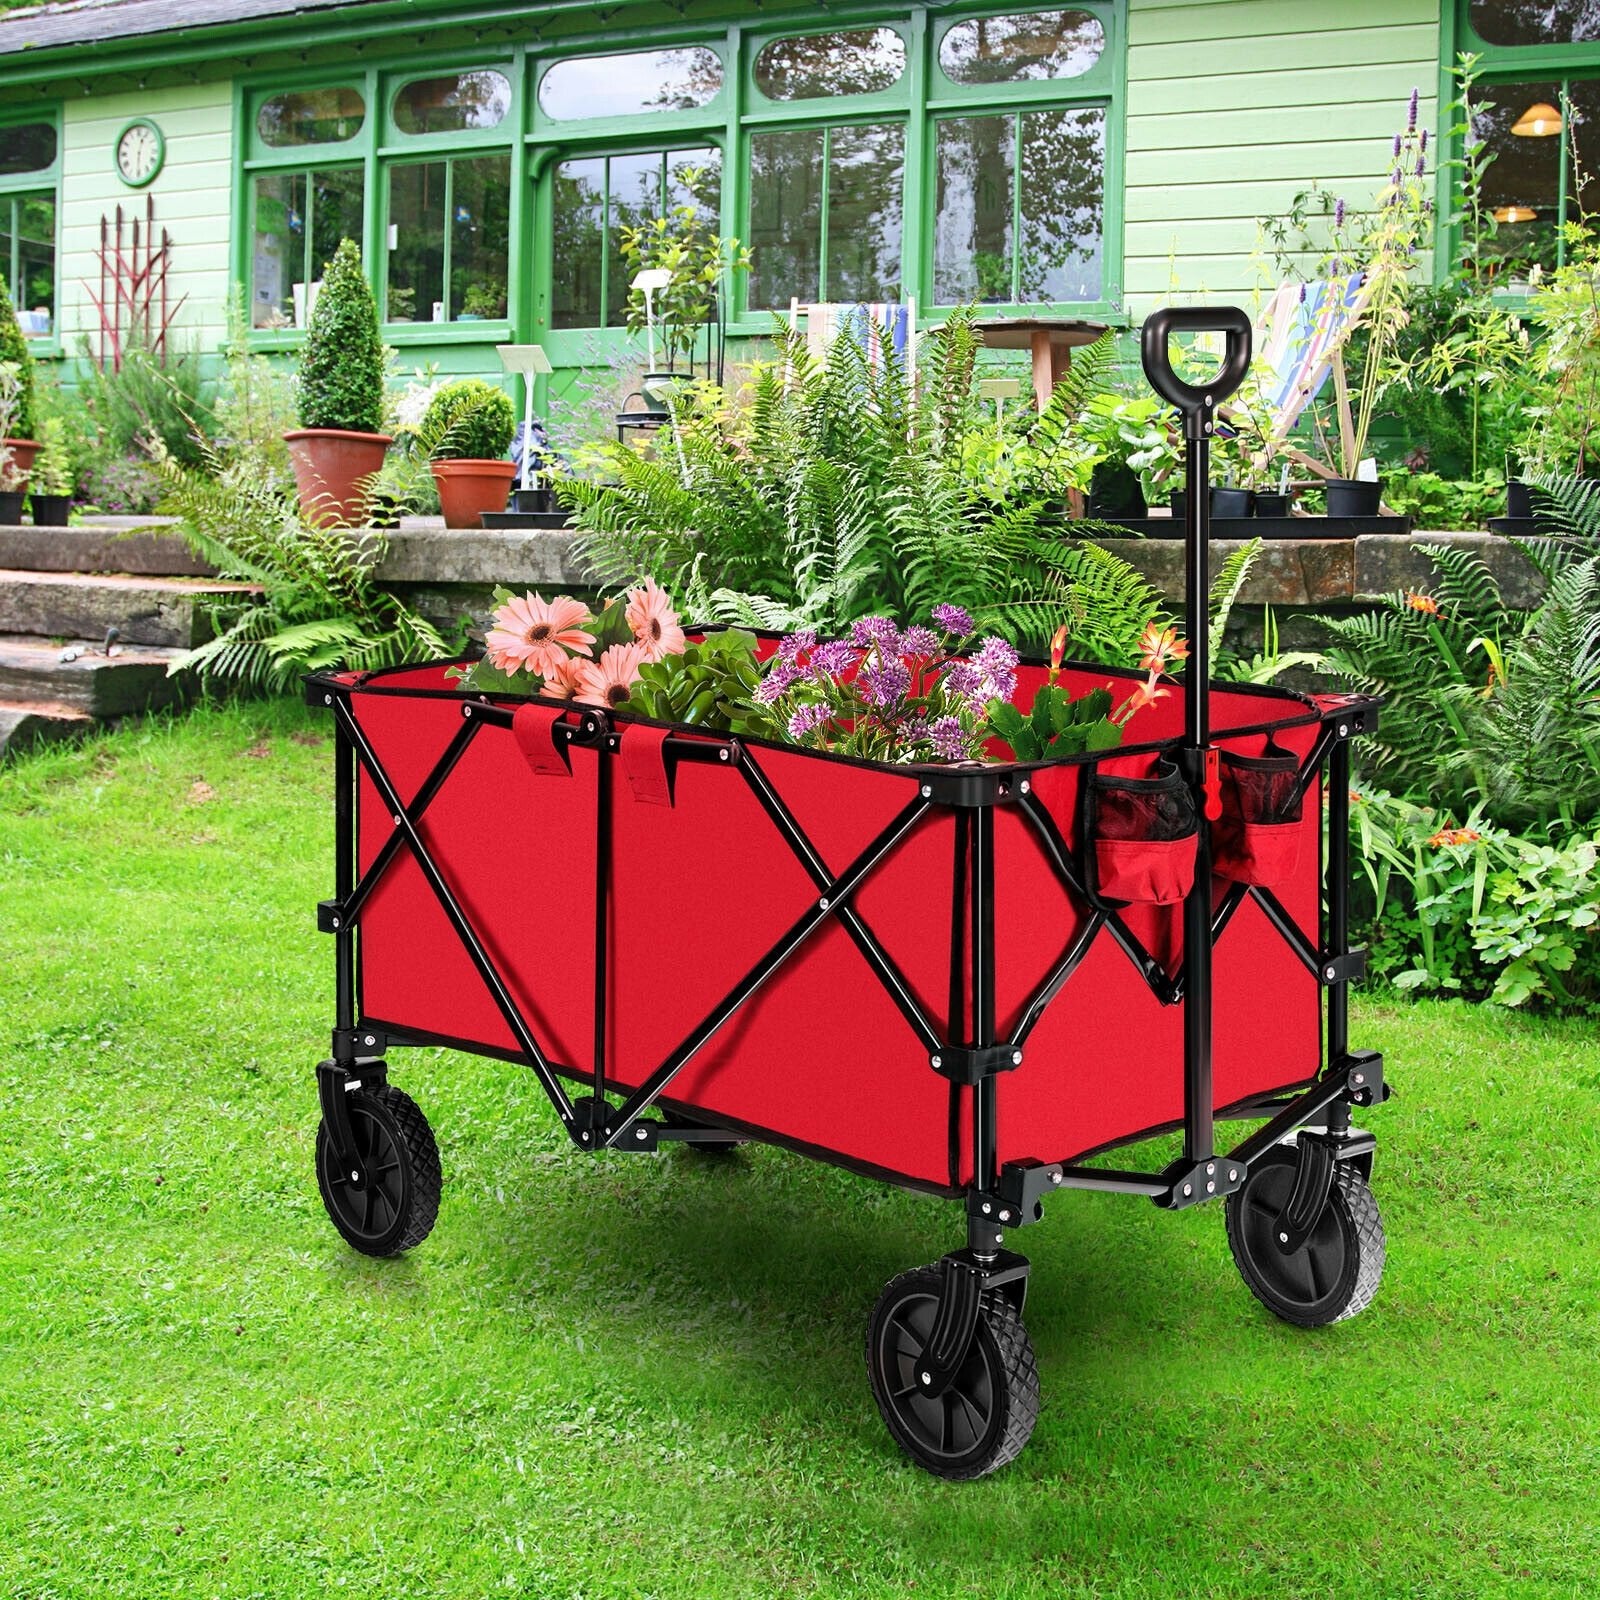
(1336, 1272)
(985, 1417)
(390, 1203)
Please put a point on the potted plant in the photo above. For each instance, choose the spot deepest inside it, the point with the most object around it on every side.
(1125, 434)
(1381, 247)
(16, 429)
(338, 447)
(482, 303)
(50, 486)
(471, 423)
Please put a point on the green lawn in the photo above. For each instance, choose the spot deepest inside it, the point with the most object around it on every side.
(620, 1377)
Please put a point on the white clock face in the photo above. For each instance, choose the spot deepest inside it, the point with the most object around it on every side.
(139, 153)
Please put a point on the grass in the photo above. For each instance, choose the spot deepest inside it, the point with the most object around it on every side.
(644, 1377)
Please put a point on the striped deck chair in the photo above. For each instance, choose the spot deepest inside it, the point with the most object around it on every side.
(877, 326)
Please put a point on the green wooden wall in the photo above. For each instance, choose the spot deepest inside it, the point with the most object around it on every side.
(1231, 107)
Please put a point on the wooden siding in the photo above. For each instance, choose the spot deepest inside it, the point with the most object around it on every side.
(191, 196)
(1236, 105)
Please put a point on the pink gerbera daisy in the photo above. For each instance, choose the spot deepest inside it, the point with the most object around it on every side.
(606, 682)
(536, 634)
(655, 624)
(564, 680)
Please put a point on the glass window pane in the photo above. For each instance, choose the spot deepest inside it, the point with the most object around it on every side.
(480, 224)
(336, 213)
(577, 240)
(619, 86)
(35, 288)
(1038, 44)
(1583, 175)
(975, 159)
(416, 242)
(451, 105)
(1522, 187)
(1535, 21)
(311, 116)
(278, 253)
(786, 216)
(1063, 205)
(7, 239)
(635, 200)
(865, 169)
(859, 62)
(27, 147)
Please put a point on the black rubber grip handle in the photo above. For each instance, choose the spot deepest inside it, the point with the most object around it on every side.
(1195, 401)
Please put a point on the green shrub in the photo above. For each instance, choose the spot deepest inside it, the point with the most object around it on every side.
(341, 367)
(152, 403)
(14, 348)
(471, 421)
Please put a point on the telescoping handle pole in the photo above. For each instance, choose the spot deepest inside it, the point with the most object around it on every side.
(1197, 405)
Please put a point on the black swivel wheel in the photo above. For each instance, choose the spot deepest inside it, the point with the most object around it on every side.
(1335, 1273)
(391, 1203)
(984, 1418)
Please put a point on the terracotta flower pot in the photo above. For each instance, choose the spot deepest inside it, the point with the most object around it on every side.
(22, 453)
(330, 467)
(468, 488)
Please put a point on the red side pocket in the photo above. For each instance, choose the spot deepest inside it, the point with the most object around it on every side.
(1141, 835)
(1157, 872)
(1257, 838)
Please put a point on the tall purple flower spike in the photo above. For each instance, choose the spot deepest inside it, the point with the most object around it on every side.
(1411, 113)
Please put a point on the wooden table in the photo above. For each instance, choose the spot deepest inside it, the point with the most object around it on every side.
(1051, 340)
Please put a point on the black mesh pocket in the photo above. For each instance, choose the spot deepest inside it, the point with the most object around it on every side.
(1257, 838)
(1141, 836)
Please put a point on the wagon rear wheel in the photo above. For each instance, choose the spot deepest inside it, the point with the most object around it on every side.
(391, 1203)
(986, 1416)
(1336, 1272)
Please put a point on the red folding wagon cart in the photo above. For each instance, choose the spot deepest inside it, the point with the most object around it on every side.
(964, 979)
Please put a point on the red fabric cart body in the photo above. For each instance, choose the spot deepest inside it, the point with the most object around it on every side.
(702, 885)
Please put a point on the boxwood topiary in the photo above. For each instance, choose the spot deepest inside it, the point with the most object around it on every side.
(14, 348)
(341, 367)
(469, 420)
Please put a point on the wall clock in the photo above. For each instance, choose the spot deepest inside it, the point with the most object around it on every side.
(140, 150)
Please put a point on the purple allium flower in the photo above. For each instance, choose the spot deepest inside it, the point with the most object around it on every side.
(917, 641)
(1338, 212)
(797, 644)
(995, 657)
(953, 620)
(780, 679)
(1411, 111)
(807, 719)
(872, 630)
(834, 657)
(885, 683)
(948, 741)
(965, 682)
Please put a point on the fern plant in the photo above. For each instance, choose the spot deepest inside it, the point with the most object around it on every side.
(843, 490)
(318, 606)
(1486, 703)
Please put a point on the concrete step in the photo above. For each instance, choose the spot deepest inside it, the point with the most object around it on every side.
(102, 544)
(133, 680)
(24, 724)
(73, 605)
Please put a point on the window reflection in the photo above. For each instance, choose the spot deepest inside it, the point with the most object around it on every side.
(862, 61)
(1017, 49)
(27, 147)
(624, 85)
(456, 104)
(311, 116)
(298, 220)
(1535, 21)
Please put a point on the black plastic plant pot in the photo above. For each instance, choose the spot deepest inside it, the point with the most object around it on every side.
(1353, 497)
(10, 510)
(50, 510)
(1232, 502)
(531, 502)
(1271, 505)
(1519, 500)
(1179, 504)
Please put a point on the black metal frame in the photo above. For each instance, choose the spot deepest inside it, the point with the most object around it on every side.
(968, 1052)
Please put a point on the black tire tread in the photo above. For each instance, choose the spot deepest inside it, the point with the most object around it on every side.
(1019, 1366)
(424, 1177)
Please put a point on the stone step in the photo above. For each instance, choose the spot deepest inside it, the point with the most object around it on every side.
(102, 544)
(24, 724)
(135, 679)
(144, 610)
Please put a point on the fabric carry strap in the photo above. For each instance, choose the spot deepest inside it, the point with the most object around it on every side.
(644, 764)
(535, 730)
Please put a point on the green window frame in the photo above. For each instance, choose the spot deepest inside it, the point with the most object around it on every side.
(18, 193)
(1501, 67)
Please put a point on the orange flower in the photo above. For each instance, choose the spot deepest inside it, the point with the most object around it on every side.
(606, 682)
(1146, 694)
(1058, 648)
(537, 634)
(1160, 646)
(1447, 836)
(1425, 603)
(654, 622)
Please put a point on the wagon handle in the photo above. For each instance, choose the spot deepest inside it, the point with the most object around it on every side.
(1197, 402)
